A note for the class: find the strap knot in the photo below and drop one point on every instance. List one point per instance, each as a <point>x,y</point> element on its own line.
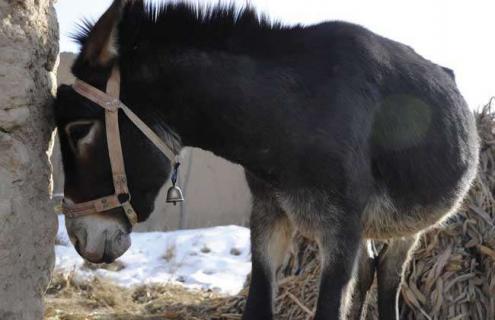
<point>112,105</point>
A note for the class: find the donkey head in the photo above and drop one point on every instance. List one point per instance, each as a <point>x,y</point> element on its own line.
<point>81,127</point>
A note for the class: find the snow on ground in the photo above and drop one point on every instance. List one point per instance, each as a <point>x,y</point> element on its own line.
<point>215,258</point>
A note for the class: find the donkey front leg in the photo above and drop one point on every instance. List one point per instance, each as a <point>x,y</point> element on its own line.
<point>271,235</point>
<point>339,244</point>
<point>392,260</point>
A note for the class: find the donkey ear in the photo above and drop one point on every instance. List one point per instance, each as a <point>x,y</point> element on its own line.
<point>100,46</point>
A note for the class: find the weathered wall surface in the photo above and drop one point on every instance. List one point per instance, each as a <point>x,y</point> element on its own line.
<point>216,191</point>
<point>28,52</point>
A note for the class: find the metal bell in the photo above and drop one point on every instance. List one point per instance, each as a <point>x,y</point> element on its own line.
<point>174,195</point>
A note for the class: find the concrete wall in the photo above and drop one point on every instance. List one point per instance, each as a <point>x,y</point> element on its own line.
<point>216,191</point>
<point>28,51</point>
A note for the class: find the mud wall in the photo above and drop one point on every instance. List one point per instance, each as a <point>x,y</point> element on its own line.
<point>28,53</point>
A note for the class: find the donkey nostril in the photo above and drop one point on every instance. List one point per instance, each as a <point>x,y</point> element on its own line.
<point>107,258</point>
<point>79,238</point>
<point>77,246</point>
<point>84,237</point>
<point>107,253</point>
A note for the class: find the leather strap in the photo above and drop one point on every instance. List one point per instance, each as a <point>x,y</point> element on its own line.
<point>109,101</point>
<point>95,95</point>
<point>91,207</point>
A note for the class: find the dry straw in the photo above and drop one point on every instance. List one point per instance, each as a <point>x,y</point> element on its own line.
<point>451,275</point>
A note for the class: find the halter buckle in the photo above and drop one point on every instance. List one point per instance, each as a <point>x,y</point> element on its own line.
<point>124,197</point>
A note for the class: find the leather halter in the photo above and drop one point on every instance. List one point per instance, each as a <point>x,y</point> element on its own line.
<point>111,103</point>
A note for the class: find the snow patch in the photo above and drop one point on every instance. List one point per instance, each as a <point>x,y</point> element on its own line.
<point>215,259</point>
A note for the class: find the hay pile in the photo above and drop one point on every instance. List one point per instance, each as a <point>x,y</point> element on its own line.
<point>451,276</point>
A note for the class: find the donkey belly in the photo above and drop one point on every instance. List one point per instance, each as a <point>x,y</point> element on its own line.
<point>383,220</point>
<point>419,186</point>
<point>383,217</point>
<point>408,206</point>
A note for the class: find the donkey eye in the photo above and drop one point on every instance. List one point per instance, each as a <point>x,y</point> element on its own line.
<point>77,132</point>
<point>80,133</point>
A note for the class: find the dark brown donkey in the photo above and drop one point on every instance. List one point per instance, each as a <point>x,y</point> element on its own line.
<point>344,135</point>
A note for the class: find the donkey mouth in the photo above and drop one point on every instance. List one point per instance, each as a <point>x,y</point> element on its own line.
<point>106,257</point>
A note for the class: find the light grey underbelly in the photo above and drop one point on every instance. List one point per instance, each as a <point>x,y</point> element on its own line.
<point>310,212</point>
<point>382,220</point>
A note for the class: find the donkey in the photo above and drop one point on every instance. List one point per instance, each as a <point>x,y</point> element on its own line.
<point>344,135</point>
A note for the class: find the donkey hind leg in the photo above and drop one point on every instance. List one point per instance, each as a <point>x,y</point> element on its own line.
<point>271,236</point>
<point>392,261</point>
<point>339,244</point>
<point>364,274</point>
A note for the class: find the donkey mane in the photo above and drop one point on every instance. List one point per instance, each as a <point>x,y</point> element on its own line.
<point>208,27</point>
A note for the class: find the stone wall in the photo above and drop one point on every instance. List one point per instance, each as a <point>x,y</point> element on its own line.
<point>28,53</point>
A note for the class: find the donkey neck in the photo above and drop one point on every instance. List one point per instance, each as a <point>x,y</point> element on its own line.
<point>225,103</point>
